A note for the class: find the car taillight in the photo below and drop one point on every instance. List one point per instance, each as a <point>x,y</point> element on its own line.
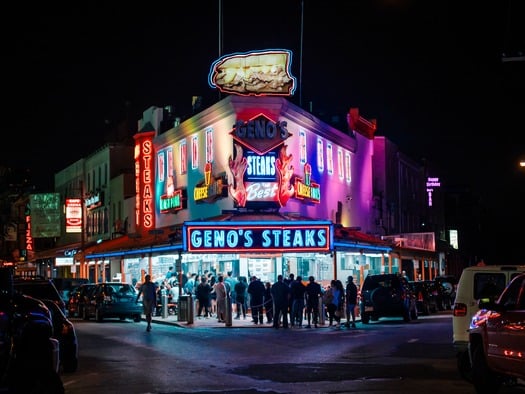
<point>460,309</point>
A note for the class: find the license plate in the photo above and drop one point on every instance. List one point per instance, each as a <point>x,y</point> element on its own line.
<point>369,308</point>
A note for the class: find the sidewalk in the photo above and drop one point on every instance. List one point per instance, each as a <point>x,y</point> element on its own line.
<point>212,322</point>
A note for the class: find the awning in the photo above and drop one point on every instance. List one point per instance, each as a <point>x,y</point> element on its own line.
<point>349,238</point>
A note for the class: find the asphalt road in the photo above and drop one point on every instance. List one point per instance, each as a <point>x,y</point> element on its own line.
<point>387,356</point>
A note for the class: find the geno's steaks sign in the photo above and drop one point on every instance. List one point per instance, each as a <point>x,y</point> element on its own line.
<point>271,236</point>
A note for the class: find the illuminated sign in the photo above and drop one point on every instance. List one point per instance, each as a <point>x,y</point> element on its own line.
<point>255,73</point>
<point>261,169</point>
<point>218,237</point>
<point>144,173</point>
<point>212,187</point>
<point>431,184</point>
<point>172,200</point>
<point>307,190</point>
<point>73,215</point>
<point>94,201</point>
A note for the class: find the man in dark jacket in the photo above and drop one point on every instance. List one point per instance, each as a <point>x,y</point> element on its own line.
<point>351,301</point>
<point>280,295</point>
<point>297,290</point>
<point>256,292</point>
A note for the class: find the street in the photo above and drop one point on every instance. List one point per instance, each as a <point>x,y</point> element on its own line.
<point>387,356</point>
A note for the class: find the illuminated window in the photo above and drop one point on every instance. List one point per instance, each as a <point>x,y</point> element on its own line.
<point>348,168</point>
<point>209,145</point>
<point>194,152</point>
<point>160,166</point>
<point>302,143</point>
<point>320,155</point>
<point>329,159</point>
<point>340,163</point>
<point>183,153</point>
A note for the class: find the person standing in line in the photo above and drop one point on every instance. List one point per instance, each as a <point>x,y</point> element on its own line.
<point>170,274</point>
<point>288,282</point>
<point>256,292</point>
<point>351,301</point>
<point>268,302</point>
<point>313,292</point>
<point>339,301</point>
<point>240,292</point>
<point>297,290</point>
<point>148,290</point>
<point>220,290</point>
<point>230,281</point>
<point>213,296</point>
<point>280,295</point>
<point>202,292</point>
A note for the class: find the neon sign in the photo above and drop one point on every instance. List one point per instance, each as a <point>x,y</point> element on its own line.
<point>218,237</point>
<point>144,180</point>
<point>307,190</point>
<point>212,188</point>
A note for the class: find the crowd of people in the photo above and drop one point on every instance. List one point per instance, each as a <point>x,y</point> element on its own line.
<point>289,302</point>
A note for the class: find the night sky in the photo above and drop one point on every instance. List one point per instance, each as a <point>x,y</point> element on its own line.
<point>430,72</point>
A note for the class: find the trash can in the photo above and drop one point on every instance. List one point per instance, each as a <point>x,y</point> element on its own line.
<point>186,308</point>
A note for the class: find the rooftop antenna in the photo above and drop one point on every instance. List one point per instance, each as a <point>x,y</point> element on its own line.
<point>221,32</point>
<point>301,58</point>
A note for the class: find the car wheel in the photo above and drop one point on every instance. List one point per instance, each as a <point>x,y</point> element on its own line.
<point>380,296</point>
<point>464,366</point>
<point>70,366</point>
<point>137,318</point>
<point>98,315</point>
<point>483,378</point>
<point>122,318</point>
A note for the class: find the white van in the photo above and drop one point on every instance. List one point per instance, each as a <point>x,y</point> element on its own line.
<point>475,283</point>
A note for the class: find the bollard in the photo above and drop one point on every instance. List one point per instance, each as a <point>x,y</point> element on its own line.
<point>164,298</point>
<point>228,318</point>
<point>321,311</point>
<point>191,309</point>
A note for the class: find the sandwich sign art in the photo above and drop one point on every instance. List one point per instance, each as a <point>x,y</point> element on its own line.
<point>254,73</point>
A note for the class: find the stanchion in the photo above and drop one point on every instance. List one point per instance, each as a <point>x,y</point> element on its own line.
<point>191,309</point>
<point>321,311</point>
<point>228,317</point>
<point>164,298</point>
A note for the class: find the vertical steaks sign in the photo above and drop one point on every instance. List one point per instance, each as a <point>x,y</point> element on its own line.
<point>144,175</point>
<point>270,236</point>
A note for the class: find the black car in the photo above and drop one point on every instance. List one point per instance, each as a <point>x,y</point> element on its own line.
<point>64,332</point>
<point>39,288</point>
<point>446,291</point>
<point>113,299</point>
<point>426,296</point>
<point>387,295</point>
<point>78,297</point>
<point>29,355</point>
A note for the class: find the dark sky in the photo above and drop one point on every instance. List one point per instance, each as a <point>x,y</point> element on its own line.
<point>430,72</point>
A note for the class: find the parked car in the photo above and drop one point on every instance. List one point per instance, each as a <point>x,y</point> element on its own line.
<point>497,339</point>
<point>387,295</point>
<point>64,332</point>
<point>476,283</point>
<point>78,297</point>
<point>39,288</point>
<point>29,355</point>
<point>426,296</point>
<point>447,291</point>
<point>113,299</point>
<point>66,285</point>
